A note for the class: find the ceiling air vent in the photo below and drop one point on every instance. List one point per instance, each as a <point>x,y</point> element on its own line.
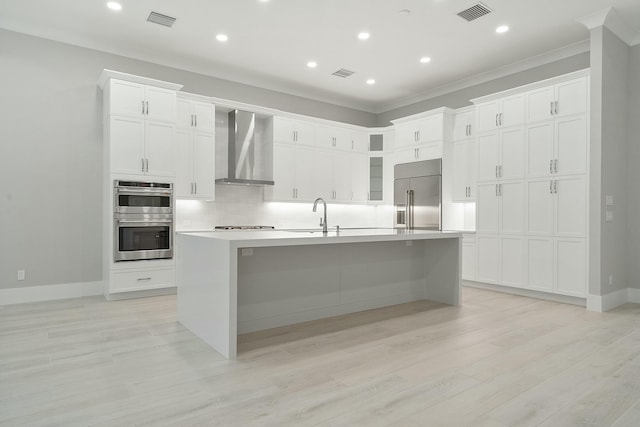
<point>158,18</point>
<point>343,72</point>
<point>474,12</point>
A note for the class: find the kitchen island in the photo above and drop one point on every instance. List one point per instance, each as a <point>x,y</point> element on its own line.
<point>232,282</point>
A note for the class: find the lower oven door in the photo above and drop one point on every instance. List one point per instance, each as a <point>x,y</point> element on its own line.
<point>137,238</point>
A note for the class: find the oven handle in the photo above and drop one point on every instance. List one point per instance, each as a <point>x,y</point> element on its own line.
<point>142,221</point>
<point>142,190</point>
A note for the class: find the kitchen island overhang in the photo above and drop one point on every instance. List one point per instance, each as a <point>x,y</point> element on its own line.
<point>237,282</point>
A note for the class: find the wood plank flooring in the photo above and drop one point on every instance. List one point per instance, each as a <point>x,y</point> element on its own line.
<point>499,360</point>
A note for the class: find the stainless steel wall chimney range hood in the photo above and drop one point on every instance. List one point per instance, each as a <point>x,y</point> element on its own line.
<point>241,151</point>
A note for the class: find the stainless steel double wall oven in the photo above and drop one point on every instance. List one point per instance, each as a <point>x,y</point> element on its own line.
<point>142,220</point>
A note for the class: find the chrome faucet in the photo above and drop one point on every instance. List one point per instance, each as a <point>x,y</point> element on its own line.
<point>315,206</point>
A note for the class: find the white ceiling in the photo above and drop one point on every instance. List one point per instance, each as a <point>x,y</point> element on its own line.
<point>271,42</point>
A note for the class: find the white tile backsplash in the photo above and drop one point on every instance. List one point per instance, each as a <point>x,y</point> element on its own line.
<point>245,205</point>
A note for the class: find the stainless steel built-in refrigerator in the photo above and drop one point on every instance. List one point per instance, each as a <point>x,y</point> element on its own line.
<point>417,194</point>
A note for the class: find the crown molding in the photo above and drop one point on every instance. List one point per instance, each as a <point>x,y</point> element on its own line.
<point>612,20</point>
<point>516,67</point>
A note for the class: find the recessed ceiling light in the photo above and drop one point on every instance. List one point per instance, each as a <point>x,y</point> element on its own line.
<point>222,37</point>
<point>114,6</point>
<point>371,82</point>
<point>502,29</point>
<point>312,64</point>
<point>425,60</point>
<point>364,35</point>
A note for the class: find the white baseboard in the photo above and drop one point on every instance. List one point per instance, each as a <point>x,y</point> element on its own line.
<point>565,299</point>
<point>50,292</point>
<point>634,295</point>
<point>612,300</point>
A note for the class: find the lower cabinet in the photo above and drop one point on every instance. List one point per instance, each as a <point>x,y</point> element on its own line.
<point>141,280</point>
<point>469,257</point>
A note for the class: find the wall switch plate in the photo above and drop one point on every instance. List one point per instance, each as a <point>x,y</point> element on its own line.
<point>21,275</point>
<point>247,252</point>
<point>609,200</point>
<point>609,216</point>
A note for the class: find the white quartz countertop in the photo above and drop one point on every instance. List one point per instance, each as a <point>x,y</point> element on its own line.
<point>250,238</point>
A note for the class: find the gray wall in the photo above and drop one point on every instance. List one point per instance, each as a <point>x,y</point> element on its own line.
<point>50,151</point>
<point>461,97</point>
<point>633,169</point>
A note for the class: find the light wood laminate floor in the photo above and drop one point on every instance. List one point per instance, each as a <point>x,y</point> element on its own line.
<point>499,360</point>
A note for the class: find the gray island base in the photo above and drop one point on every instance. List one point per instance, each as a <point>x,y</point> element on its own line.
<point>231,283</point>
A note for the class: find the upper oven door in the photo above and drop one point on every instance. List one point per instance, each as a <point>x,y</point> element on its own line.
<point>143,200</point>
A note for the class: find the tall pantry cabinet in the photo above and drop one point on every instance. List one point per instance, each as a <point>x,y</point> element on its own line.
<point>139,121</point>
<point>532,189</point>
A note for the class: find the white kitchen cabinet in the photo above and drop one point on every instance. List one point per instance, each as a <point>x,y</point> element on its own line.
<point>332,137</point>
<point>557,147</point>
<point>292,168</point>
<point>540,263</point>
<point>425,152</point>
<point>557,207</point>
<point>432,126</point>
<point>501,154</point>
<point>488,258</point>
<point>562,99</point>
<point>464,170</point>
<point>195,175</point>
<point>196,115</point>
<point>293,131</point>
<point>359,177</point>
<point>131,99</point>
<point>512,261</point>
<point>464,125</point>
<point>359,141</point>
<point>500,113</point>
<point>141,147</point>
<point>140,280</point>
<point>488,208</point>
<point>500,208</point>
<point>340,176</point>
<point>469,257</point>
<point>557,265</point>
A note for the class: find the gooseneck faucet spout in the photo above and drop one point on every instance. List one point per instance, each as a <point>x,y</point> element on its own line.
<point>323,222</point>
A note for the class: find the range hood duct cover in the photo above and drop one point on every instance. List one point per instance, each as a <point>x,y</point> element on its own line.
<point>241,151</point>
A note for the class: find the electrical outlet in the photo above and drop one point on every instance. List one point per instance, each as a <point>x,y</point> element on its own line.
<point>21,275</point>
<point>611,280</point>
<point>247,251</point>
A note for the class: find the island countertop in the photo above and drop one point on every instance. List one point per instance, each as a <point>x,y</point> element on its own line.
<point>260,238</point>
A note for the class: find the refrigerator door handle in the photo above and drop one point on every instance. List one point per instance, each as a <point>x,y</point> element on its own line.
<point>409,210</point>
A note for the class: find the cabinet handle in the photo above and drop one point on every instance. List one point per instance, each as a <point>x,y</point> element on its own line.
<point>195,188</point>
<point>142,108</point>
<point>146,163</point>
<point>352,144</point>
<point>555,165</point>
<point>555,186</point>
<point>418,136</point>
<point>496,171</point>
<point>497,190</point>
<point>556,107</point>
<point>195,120</point>
<point>147,107</point>
<point>501,189</point>
<point>551,187</point>
<point>142,160</point>
<point>142,279</point>
<point>192,188</point>
<point>496,119</point>
<point>551,166</point>
<point>551,108</point>
<point>500,171</point>
<point>501,119</point>
<point>293,193</point>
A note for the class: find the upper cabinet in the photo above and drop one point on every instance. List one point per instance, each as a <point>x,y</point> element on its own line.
<point>339,138</point>
<point>196,115</point>
<point>293,131</point>
<point>432,126</point>
<point>562,99</point>
<point>133,99</point>
<point>502,112</point>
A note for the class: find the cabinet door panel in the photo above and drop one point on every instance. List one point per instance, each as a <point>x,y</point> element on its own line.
<point>539,104</point>
<point>571,209</point>
<point>160,148</point>
<point>184,112</point>
<point>341,162</point>
<point>487,116</point>
<point>512,204</point>
<point>539,149</point>
<point>572,97</point>
<point>488,259</point>
<point>488,156</point>
<point>322,172</point>
<point>512,146</point>
<point>431,128</point>
<point>405,156</point>
<point>540,208</point>
<point>359,177</point>
<point>184,164</point>
<point>512,264</point>
<point>359,141</point>
<point>405,135</point>
<point>304,164</point>
<point>460,126</point>
<point>161,104</point>
<point>126,136</point>
<point>126,98</point>
<point>487,209</point>
<point>306,133</point>
<point>571,267</point>
<point>204,165</point>
<point>460,171</point>
<point>430,151</point>
<point>540,263</point>
<point>512,111</point>
<point>571,143</point>
<point>469,261</point>
<point>204,117</point>
<point>282,129</point>
<point>284,157</point>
